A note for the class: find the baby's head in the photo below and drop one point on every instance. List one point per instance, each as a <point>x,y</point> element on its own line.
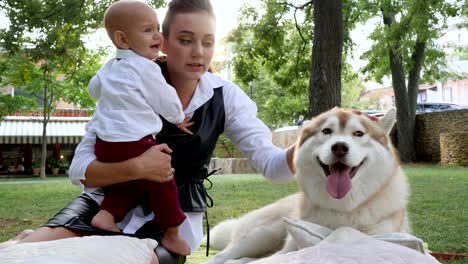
<point>133,24</point>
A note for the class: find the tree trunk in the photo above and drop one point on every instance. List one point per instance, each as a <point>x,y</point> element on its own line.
<point>405,123</point>
<point>406,148</point>
<point>415,74</point>
<point>325,77</point>
<point>405,98</point>
<point>45,119</point>
<point>43,154</point>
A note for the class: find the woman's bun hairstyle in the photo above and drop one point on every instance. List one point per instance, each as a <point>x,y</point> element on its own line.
<point>176,7</point>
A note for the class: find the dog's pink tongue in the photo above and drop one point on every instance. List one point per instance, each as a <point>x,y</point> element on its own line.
<point>339,181</point>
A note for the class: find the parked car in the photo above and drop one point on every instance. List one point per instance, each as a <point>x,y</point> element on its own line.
<point>377,113</point>
<point>438,107</point>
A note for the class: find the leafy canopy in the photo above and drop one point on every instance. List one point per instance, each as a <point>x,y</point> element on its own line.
<point>272,60</point>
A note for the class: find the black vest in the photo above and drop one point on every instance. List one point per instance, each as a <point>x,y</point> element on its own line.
<point>192,153</point>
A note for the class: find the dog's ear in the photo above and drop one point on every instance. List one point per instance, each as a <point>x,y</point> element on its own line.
<point>388,120</point>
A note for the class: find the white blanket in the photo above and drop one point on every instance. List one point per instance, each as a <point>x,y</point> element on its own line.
<point>364,251</point>
<point>320,245</point>
<point>81,250</point>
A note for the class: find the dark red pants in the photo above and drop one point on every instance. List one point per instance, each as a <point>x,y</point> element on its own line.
<point>163,198</point>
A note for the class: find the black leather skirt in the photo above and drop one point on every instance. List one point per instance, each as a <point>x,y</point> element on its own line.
<point>77,216</point>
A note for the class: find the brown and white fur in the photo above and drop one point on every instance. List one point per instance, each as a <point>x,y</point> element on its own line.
<point>348,174</point>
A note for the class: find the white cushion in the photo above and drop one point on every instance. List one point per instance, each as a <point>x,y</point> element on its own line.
<point>363,251</point>
<point>79,250</point>
<point>320,245</point>
<point>307,234</point>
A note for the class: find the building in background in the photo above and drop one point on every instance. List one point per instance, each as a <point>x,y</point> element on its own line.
<point>448,91</point>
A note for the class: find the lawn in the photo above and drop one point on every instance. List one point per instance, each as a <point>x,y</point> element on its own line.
<point>438,205</point>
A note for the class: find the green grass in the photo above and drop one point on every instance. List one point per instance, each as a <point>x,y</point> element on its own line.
<point>438,205</point>
<point>28,206</point>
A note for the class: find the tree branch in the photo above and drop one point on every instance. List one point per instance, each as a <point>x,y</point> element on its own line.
<point>300,7</point>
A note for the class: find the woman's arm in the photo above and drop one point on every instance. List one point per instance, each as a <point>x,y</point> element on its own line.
<point>290,157</point>
<point>254,138</point>
<point>153,165</point>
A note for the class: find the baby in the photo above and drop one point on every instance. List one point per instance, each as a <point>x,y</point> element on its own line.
<point>132,93</point>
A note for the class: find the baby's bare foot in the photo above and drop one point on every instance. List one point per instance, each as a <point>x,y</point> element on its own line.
<point>105,221</point>
<point>172,242</point>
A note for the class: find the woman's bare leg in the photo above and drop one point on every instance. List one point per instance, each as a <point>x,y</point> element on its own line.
<point>49,233</point>
<point>15,240</point>
<point>23,234</point>
<point>41,234</point>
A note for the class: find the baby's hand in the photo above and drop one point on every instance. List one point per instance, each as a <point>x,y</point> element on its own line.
<point>186,123</point>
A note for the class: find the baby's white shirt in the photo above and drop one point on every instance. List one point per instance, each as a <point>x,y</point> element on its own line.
<point>131,93</point>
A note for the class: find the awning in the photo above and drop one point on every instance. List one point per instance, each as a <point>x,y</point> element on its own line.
<point>28,130</point>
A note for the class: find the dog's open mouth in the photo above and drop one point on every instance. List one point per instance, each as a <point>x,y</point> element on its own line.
<point>338,166</point>
<point>339,177</point>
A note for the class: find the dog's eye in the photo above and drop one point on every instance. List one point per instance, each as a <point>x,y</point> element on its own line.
<point>358,133</point>
<point>326,131</point>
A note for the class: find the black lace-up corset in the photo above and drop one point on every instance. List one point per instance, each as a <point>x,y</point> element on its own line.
<point>192,153</point>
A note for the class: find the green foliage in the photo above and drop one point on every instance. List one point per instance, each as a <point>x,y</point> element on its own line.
<point>461,53</point>
<point>272,52</point>
<point>46,57</point>
<point>9,104</point>
<point>273,59</point>
<point>405,48</point>
<point>352,89</point>
<point>53,163</point>
<point>226,149</point>
<point>35,163</point>
<point>418,21</point>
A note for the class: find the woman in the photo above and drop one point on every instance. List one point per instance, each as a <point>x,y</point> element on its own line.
<point>215,106</point>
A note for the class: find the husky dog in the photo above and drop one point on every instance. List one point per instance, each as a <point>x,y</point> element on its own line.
<point>348,174</point>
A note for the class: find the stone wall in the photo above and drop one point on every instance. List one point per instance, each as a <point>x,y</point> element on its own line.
<point>232,165</point>
<point>285,139</point>
<point>429,126</point>
<point>454,148</point>
<point>282,139</point>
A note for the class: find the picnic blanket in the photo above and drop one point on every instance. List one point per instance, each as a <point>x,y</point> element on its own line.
<point>320,245</point>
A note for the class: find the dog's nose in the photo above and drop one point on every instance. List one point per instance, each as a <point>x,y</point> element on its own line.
<point>340,149</point>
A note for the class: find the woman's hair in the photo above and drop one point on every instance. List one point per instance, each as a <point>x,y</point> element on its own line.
<point>176,7</point>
